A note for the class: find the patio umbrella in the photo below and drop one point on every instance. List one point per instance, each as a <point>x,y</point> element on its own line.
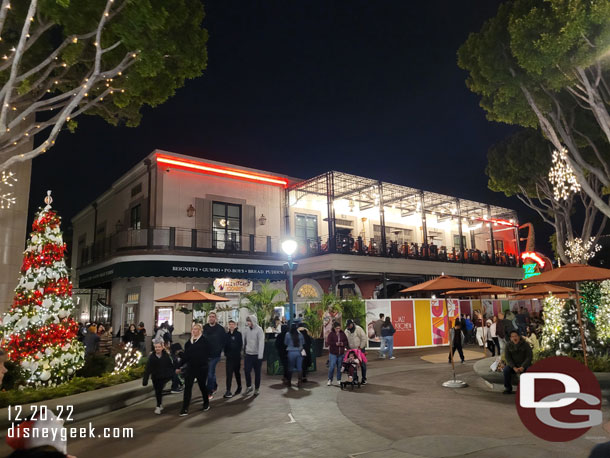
<point>444,283</point>
<point>492,289</point>
<point>542,290</point>
<point>193,296</point>
<point>572,273</point>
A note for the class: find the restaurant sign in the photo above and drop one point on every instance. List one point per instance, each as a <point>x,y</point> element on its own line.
<point>181,269</point>
<point>232,285</point>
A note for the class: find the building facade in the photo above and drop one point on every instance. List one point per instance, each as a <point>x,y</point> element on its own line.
<point>175,222</point>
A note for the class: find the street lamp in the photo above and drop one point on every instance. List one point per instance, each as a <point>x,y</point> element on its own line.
<point>289,246</point>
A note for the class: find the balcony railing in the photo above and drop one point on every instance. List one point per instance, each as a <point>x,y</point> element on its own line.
<point>427,252</point>
<point>194,240</point>
<point>177,239</point>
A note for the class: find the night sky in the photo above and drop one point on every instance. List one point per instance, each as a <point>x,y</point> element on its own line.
<point>302,87</point>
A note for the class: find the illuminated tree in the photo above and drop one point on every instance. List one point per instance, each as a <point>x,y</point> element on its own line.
<point>63,58</point>
<point>602,315</point>
<point>38,331</point>
<point>543,63</point>
<point>554,323</point>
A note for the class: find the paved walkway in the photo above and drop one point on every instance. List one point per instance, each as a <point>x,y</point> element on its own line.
<point>403,412</point>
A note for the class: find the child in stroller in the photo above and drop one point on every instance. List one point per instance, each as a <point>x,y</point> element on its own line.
<point>349,370</point>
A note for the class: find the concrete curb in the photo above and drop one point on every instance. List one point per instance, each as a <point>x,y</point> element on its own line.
<point>86,405</point>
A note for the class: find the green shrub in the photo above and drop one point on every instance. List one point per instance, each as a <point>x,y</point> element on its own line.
<point>74,386</point>
<point>13,376</point>
<point>95,366</point>
<point>597,363</point>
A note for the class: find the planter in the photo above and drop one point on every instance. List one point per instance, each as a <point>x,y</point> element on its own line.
<point>318,347</point>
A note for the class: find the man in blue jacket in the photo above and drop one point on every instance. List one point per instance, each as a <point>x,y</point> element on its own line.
<point>233,346</point>
<point>215,335</point>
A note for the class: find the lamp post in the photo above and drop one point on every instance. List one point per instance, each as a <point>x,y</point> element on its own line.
<point>289,246</point>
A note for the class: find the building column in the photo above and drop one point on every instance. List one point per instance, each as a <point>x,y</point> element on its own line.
<point>423,218</point>
<point>491,236</point>
<point>459,213</point>
<point>384,242</point>
<point>330,200</point>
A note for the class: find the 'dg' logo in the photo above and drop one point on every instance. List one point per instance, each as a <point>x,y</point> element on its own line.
<point>559,399</point>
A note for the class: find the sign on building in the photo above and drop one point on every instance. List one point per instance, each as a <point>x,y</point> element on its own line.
<point>232,285</point>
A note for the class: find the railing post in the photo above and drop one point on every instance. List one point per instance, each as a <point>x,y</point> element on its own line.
<point>149,237</point>
<point>172,238</point>
<point>193,239</point>
<point>252,247</point>
<point>268,244</point>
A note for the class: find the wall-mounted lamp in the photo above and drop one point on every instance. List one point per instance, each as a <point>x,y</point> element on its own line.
<point>262,220</point>
<point>190,211</point>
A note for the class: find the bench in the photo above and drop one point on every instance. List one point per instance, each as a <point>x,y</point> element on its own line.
<point>494,380</point>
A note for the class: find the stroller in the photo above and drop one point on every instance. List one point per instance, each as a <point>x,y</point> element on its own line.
<point>349,371</point>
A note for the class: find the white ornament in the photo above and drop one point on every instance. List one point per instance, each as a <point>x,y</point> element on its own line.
<point>45,375</point>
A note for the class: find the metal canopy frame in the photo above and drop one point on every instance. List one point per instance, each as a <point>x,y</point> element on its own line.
<point>368,193</point>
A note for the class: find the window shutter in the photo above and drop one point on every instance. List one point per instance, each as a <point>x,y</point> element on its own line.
<point>248,224</point>
<point>203,222</point>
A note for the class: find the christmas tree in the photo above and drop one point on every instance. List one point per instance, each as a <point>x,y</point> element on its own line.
<point>571,340</point>
<point>554,323</point>
<point>590,294</point>
<point>38,331</point>
<point>602,318</point>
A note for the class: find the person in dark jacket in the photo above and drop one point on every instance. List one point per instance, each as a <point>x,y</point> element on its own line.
<point>387,334</point>
<point>281,351</point>
<point>160,368</point>
<point>518,356</point>
<point>177,354</point>
<point>130,335</point>
<point>195,366</point>
<point>233,346</point>
<point>456,336</point>
<point>141,338</point>
<point>170,329</point>
<point>91,341</point>
<point>337,343</point>
<point>215,335</point>
<point>294,347</point>
<point>307,346</point>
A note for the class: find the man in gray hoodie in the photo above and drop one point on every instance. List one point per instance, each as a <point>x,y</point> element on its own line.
<point>254,347</point>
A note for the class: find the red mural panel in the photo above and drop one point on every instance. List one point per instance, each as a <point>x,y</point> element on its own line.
<point>403,320</point>
<point>465,308</point>
<point>439,322</point>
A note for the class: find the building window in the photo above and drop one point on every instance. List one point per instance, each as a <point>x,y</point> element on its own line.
<point>137,189</point>
<point>136,217</point>
<point>226,226</point>
<point>81,250</point>
<point>456,241</point>
<point>307,292</point>
<point>306,228</point>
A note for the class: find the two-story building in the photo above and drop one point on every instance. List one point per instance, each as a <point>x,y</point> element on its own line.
<point>175,222</point>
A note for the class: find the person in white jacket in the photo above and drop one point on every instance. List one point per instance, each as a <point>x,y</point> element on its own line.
<point>254,347</point>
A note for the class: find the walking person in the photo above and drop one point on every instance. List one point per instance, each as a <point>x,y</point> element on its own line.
<point>337,343</point>
<point>160,368</point>
<point>140,340</point>
<point>456,336</point>
<point>177,354</point>
<point>195,367</point>
<point>489,342</point>
<point>307,348</point>
<point>294,347</point>
<point>387,335</point>
<point>500,333</point>
<point>233,346</point>
<point>215,335</point>
<point>130,335</point>
<point>254,348</point>
<point>280,346</point>
<point>357,340</point>
<point>377,324</point>
<point>493,331</point>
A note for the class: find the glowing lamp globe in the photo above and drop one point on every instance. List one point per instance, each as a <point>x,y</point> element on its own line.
<point>289,246</point>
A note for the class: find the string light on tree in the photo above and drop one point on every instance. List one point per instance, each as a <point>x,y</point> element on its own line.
<point>562,177</point>
<point>602,315</point>
<point>554,323</point>
<point>7,179</point>
<point>580,252</point>
<point>40,334</point>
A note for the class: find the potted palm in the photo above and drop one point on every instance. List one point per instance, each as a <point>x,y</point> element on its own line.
<point>263,301</point>
<point>314,321</point>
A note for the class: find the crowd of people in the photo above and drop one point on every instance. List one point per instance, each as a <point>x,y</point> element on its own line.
<point>511,334</point>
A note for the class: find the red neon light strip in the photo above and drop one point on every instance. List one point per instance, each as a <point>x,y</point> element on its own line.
<point>531,255</point>
<point>222,171</point>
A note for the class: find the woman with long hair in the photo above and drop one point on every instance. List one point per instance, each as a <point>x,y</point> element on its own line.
<point>294,342</point>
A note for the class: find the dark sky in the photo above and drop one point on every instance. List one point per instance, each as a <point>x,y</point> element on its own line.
<point>302,87</point>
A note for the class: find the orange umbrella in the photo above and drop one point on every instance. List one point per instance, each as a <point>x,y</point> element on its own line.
<point>542,290</point>
<point>193,296</point>
<point>444,283</point>
<point>570,273</point>
<point>492,289</point>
